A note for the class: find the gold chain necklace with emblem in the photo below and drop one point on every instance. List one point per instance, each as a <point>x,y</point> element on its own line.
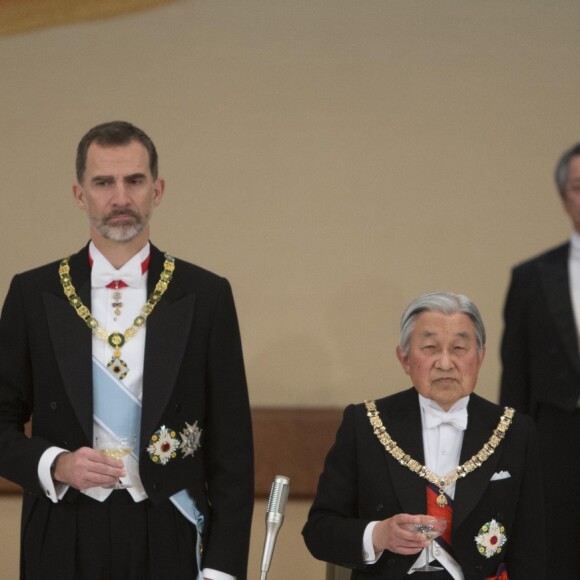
<point>116,339</point>
<point>442,483</point>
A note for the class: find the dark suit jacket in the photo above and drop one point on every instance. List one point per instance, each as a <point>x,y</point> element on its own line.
<point>541,377</point>
<point>193,372</point>
<point>361,483</point>
<point>539,350</point>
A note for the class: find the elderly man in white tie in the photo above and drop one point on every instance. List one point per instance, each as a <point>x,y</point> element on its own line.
<point>435,452</point>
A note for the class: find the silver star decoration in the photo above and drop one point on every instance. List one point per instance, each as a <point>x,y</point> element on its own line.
<point>190,439</point>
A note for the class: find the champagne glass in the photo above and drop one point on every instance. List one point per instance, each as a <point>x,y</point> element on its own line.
<point>430,529</point>
<point>117,446</point>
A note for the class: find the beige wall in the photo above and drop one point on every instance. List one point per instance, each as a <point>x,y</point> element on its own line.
<point>333,158</point>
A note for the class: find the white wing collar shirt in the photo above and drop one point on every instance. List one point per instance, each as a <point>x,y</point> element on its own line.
<point>442,441</point>
<point>574,270</point>
<point>112,318</point>
<point>119,318</point>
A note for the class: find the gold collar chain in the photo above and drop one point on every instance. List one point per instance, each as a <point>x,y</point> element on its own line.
<point>461,471</point>
<point>116,339</point>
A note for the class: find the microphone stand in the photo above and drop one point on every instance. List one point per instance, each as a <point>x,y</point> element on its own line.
<point>274,519</point>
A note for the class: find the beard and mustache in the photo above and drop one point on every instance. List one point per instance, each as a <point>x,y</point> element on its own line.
<point>121,230</point>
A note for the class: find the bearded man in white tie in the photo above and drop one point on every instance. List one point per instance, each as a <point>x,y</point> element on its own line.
<point>121,350</point>
<point>436,450</point>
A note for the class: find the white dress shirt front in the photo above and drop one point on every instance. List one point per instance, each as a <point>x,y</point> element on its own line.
<point>442,449</point>
<point>574,272</point>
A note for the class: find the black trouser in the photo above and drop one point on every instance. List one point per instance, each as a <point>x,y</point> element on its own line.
<point>559,442</point>
<point>113,540</point>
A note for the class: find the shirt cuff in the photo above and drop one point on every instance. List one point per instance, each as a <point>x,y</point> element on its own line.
<point>211,574</point>
<point>368,550</point>
<point>54,490</point>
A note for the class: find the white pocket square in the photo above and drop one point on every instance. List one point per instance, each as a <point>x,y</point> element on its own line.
<point>500,475</point>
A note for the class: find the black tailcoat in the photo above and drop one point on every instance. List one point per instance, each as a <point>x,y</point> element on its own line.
<point>540,356</point>
<point>541,377</point>
<point>361,483</point>
<point>193,372</point>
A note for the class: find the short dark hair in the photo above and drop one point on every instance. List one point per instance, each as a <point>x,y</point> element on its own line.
<point>112,134</point>
<point>561,171</point>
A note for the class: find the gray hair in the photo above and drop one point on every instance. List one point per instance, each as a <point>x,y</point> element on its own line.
<point>561,171</point>
<point>446,303</point>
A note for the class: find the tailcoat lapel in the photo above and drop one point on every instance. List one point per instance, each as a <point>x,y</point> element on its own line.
<point>72,340</point>
<point>168,330</point>
<point>470,489</point>
<point>403,423</point>
<point>556,285</point>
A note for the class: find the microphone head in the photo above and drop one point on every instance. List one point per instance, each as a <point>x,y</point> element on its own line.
<point>278,496</point>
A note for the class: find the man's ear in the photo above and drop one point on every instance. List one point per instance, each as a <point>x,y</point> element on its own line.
<point>403,359</point>
<point>482,355</point>
<point>159,190</point>
<point>79,196</point>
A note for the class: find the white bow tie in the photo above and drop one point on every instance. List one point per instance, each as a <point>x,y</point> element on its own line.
<point>435,417</point>
<point>103,274</point>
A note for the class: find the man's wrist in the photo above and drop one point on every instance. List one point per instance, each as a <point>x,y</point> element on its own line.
<point>53,466</point>
<point>47,474</point>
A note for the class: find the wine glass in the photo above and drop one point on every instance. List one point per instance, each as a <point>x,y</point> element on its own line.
<point>117,446</point>
<point>430,528</point>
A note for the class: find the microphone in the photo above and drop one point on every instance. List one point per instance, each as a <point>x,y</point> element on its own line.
<point>274,519</point>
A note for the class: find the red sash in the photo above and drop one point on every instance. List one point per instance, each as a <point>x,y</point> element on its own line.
<point>446,512</point>
<point>436,511</point>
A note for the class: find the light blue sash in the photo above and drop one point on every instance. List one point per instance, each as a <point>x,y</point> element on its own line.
<point>118,411</point>
<point>114,407</point>
<point>186,505</point>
